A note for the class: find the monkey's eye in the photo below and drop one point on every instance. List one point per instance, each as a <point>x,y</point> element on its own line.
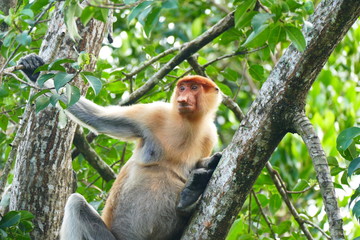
<point>182,88</point>
<point>194,87</point>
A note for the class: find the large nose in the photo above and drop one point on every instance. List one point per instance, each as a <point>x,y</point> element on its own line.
<point>183,97</point>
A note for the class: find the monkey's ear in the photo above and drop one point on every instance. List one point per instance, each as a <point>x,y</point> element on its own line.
<point>31,63</point>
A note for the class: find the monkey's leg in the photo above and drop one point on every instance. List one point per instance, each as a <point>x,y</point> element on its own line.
<point>82,222</point>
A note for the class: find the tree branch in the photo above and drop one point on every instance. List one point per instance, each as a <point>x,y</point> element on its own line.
<point>282,190</point>
<point>269,118</point>
<point>305,129</point>
<point>186,51</point>
<point>263,214</point>
<point>92,157</point>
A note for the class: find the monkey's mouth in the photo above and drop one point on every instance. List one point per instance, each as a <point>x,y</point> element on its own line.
<point>185,107</point>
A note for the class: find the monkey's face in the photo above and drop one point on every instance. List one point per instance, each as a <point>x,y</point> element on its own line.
<point>187,97</point>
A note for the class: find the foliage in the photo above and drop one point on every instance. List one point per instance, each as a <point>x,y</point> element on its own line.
<point>16,225</point>
<point>147,29</point>
<point>347,144</point>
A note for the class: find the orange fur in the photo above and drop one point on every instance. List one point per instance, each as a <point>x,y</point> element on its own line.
<point>185,140</point>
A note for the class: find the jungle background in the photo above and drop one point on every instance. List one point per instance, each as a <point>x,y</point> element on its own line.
<point>239,60</point>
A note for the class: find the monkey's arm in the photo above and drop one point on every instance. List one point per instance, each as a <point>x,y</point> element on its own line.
<point>196,184</point>
<point>120,122</point>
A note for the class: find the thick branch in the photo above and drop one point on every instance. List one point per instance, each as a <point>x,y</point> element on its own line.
<point>188,49</point>
<point>269,118</point>
<point>92,157</point>
<point>305,129</point>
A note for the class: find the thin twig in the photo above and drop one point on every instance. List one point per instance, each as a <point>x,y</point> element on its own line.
<point>263,214</point>
<point>116,6</point>
<point>318,228</point>
<point>302,191</point>
<point>279,183</point>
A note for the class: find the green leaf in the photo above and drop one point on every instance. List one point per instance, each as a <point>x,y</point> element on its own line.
<point>83,59</point>
<point>170,4</point>
<point>196,27</point>
<point>355,195</point>
<point>41,103</point>
<point>356,210</point>
<point>137,10</point>
<point>275,203</point>
<point>244,7</point>
<point>43,78</point>
<point>260,19</point>
<point>70,14</point>
<point>27,12</point>
<point>300,185</point>
<point>26,226</point>
<point>54,99</point>
<point>10,219</point>
<point>257,38</point>
<point>87,14</point>
<point>4,122</point>
<point>61,78</point>
<point>257,72</point>
<point>57,64</point>
<point>8,39</point>
<point>35,96</point>
<point>39,4</point>
<point>346,138</point>
<point>151,20</point>
<point>26,215</point>
<point>277,35</point>
<point>73,94</point>
<point>353,166</point>
<point>332,161</point>
<point>296,37</point>
<point>283,227</point>
<point>95,83</point>
<point>336,170</point>
<point>245,20</point>
<point>24,38</point>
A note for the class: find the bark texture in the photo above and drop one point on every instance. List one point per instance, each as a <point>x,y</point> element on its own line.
<point>305,129</point>
<point>270,117</point>
<point>43,176</point>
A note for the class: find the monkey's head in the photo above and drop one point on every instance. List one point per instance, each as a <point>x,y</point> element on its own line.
<point>195,96</point>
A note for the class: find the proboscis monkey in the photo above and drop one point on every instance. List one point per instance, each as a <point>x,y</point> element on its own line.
<point>156,190</point>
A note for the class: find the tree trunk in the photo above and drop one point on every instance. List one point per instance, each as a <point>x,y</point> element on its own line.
<point>270,117</point>
<point>43,176</point>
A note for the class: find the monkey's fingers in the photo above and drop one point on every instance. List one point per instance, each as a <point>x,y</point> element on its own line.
<point>214,160</point>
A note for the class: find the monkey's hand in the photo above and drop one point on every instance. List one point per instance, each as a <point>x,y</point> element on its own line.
<point>196,184</point>
<point>31,62</point>
<point>214,161</point>
<point>194,187</point>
